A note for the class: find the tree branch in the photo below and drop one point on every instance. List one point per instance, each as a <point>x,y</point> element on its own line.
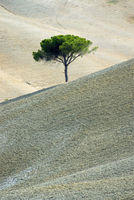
<point>71,60</point>
<point>69,57</point>
<point>59,60</point>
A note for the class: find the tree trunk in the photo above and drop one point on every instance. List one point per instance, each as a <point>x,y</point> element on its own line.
<point>66,75</point>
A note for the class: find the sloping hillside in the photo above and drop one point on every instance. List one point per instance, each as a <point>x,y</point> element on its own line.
<point>24,23</point>
<point>75,141</point>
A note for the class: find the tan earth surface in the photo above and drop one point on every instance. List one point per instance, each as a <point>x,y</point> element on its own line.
<point>109,24</point>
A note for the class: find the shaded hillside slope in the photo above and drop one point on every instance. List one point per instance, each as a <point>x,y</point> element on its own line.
<point>75,141</point>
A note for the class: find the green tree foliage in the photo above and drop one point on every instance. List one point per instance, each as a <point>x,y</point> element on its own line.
<point>64,49</point>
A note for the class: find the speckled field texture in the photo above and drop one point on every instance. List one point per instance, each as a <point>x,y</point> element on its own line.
<point>109,24</point>
<point>71,142</point>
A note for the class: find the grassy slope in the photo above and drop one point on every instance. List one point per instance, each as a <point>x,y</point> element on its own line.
<point>75,141</point>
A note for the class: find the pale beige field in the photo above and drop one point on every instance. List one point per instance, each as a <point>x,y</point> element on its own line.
<point>23,24</point>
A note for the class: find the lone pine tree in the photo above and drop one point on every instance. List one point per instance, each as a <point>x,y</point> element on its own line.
<point>64,49</point>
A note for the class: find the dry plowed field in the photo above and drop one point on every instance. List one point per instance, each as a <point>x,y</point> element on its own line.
<point>71,142</point>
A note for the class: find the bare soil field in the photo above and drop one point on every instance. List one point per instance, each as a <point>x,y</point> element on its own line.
<point>71,142</point>
<point>23,24</point>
